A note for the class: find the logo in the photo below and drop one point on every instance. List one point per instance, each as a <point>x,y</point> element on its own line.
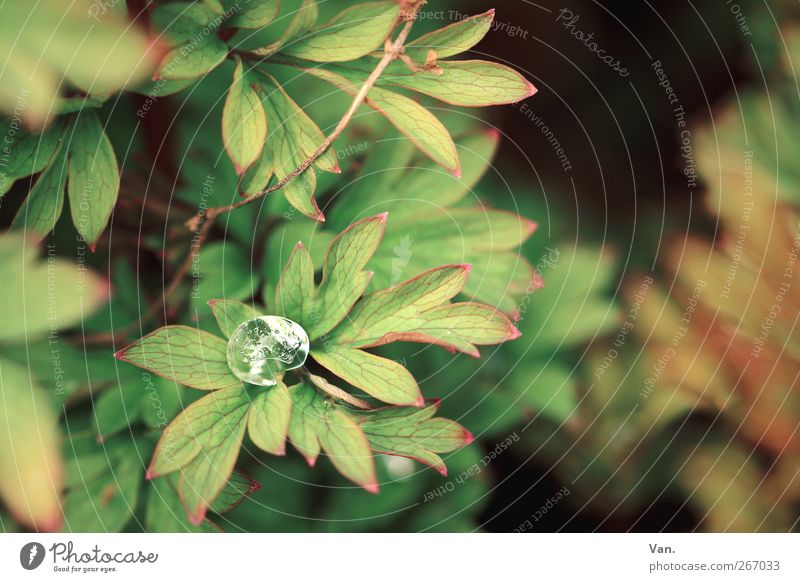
<point>31,555</point>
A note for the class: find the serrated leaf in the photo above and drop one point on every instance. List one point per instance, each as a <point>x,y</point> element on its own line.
<point>231,314</point>
<point>315,426</point>
<point>93,177</point>
<point>268,423</point>
<point>203,442</point>
<point>186,355</point>
<point>386,380</point>
<point>42,208</point>
<point>453,39</point>
<point>244,122</point>
<point>343,277</point>
<point>31,467</point>
<point>413,433</point>
<point>352,34</point>
<point>254,14</point>
<point>397,308</point>
<point>463,83</point>
<point>30,308</point>
<point>408,116</point>
<point>294,294</point>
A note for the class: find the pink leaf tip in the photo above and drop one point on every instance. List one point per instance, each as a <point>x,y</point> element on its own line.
<point>197,517</point>
<point>513,333</point>
<point>468,437</point>
<point>372,488</point>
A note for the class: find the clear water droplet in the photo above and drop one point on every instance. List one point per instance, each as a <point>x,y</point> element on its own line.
<point>262,348</point>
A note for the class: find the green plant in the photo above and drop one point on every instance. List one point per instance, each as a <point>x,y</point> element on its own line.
<point>238,75</point>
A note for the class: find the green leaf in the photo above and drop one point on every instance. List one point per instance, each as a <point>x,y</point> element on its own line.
<point>195,59</point>
<point>42,208</point>
<point>384,379</point>
<point>186,355</point>
<point>118,407</point>
<point>254,14</point>
<point>231,314</point>
<point>299,191</point>
<point>408,116</point>
<point>238,488</point>
<point>294,294</point>
<point>244,123</point>
<point>337,393</point>
<point>203,443</point>
<point>93,177</point>
<point>453,39</point>
<point>181,22</point>
<point>55,44</point>
<point>352,34</point>
<point>400,309</point>
<point>41,298</point>
<point>463,83</point>
<point>343,277</point>
<point>316,425</point>
<point>302,21</point>
<point>31,467</point>
<point>268,423</point>
<point>165,512</point>
<point>413,433</point>
<point>222,269</point>
<point>28,153</point>
<point>302,129</point>
<point>108,503</point>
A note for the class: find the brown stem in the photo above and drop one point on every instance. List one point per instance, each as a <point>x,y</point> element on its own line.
<point>391,51</point>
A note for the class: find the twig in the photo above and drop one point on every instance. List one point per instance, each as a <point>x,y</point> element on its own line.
<point>391,51</point>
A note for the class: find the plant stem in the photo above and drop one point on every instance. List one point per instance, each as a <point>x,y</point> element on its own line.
<point>391,51</point>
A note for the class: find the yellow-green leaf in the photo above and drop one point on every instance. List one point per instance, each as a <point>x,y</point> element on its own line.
<point>268,423</point>
<point>93,177</point>
<point>453,39</point>
<point>31,467</point>
<point>294,294</point>
<point>253,13</point>
<point>244,123</point>
<point>352,34</point>
<point>343,276</point>
<point>42,208</point>
<point>386,380</point>
<point>230,314</point>
<point>186,355</point>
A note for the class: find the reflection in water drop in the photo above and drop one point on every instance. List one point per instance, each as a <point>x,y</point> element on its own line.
<point>262,348</point>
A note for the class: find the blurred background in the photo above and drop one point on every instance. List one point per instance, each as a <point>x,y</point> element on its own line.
<point>654,387</point>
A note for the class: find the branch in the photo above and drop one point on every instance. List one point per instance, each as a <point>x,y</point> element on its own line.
<point>392,50</point>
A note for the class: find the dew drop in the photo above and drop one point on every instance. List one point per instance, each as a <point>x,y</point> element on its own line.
<point>264,347</point>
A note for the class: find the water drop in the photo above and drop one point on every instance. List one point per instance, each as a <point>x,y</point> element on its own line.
<point>261,348</point>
